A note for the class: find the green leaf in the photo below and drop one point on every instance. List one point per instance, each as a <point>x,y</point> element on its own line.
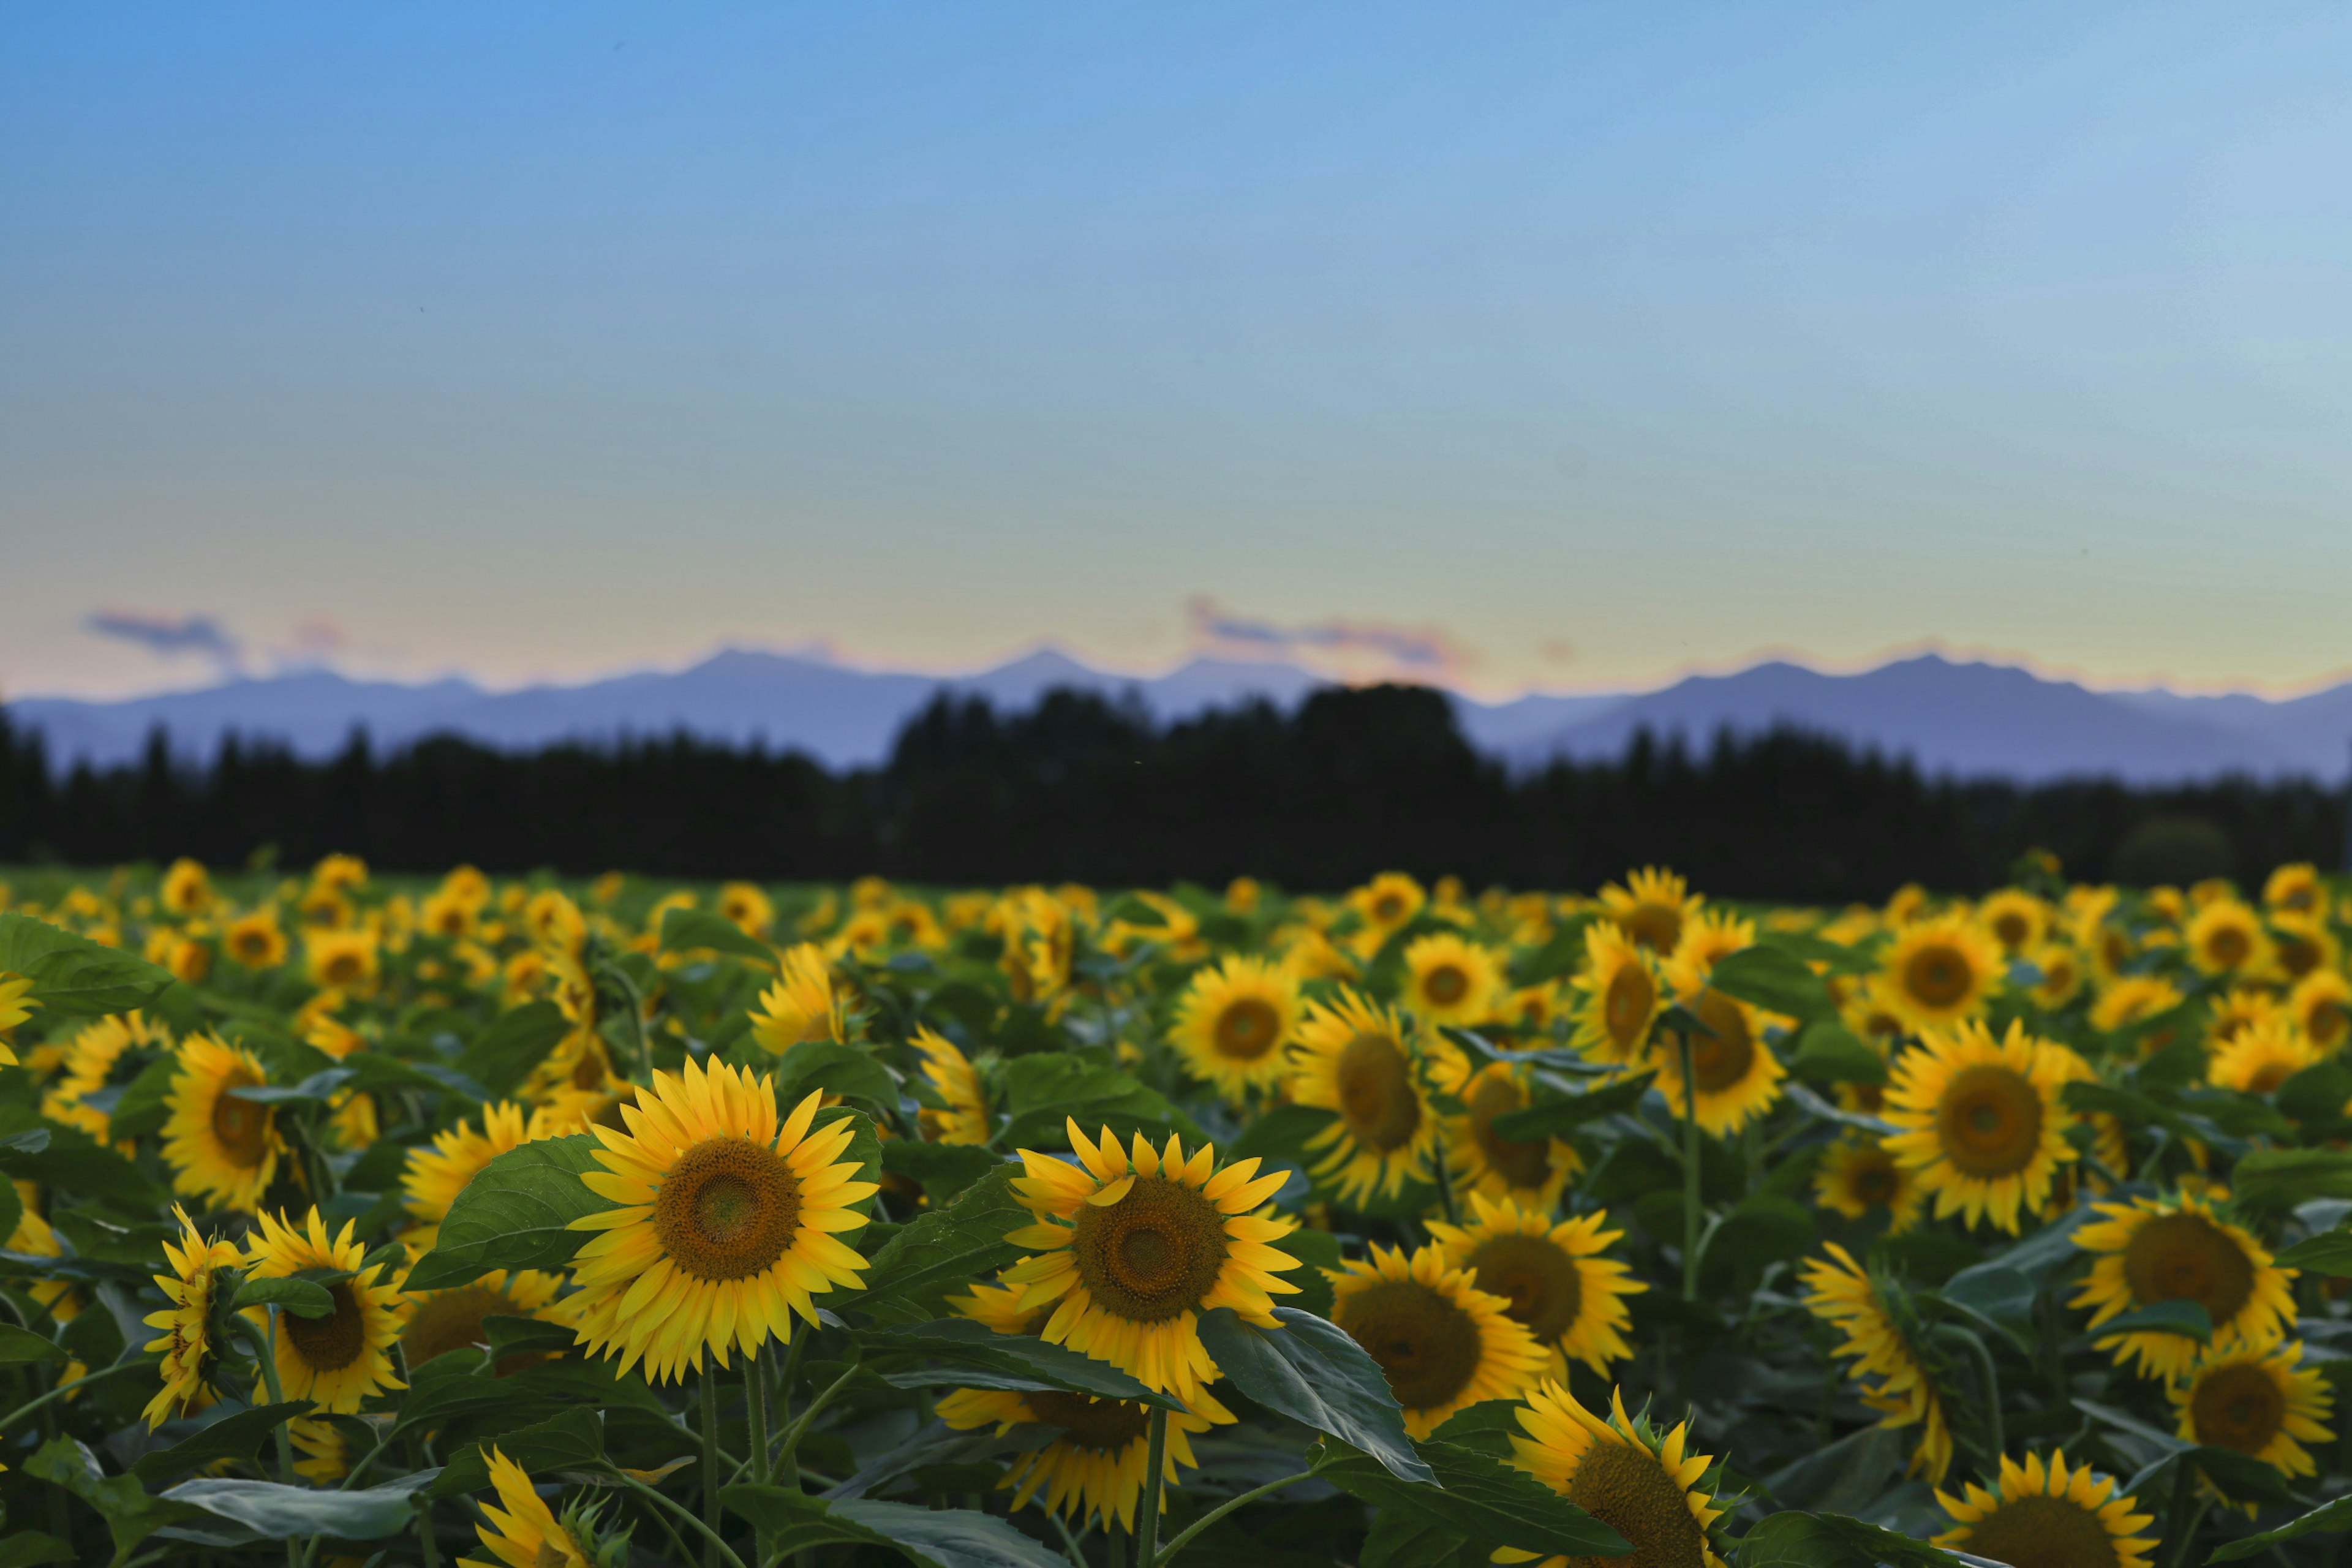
<point>236,1436</point>
<point>2329,1516</point>
<point>571,1440</point>
<point>509,1334</point>
<point>514,1214</point>
<point>787,1522</point>
<point>282,1512</point>
<point>1994,1289</point>
<point>304,1298</point>
<point>455,1383</point>
<point>1399,1539</point>
<point>1309,1370</point>
<point>130,1515</point>
<point>2330,1252</point>
<point>1477,1496</point>
<point>1005,1361</point>
<point>1555,1118</point>
<point>1775,980</point>
<point>1488,1426</point>
<point>1829,1052</point>
<point>73,1161</point>
<point>2189,1319</point>
<point>1316,1251</point>
<point>146,1102</point>
<point>850,1071</point>
<point>503,1055</point>
<point>30,1548</point>
<point>943,1250</point>
<point>1794,1540</point>
<point>2278,1179</point>
<point>19,1347</point>
<point>699,930</point>
<point>72,974</point>
<point>941,1170</point>
<point>1278,1138</point>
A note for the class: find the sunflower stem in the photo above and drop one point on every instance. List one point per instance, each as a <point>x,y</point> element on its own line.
<point>1155,1458</point>
<point>1167,1553</point>
<point>61,1390</point>
<point>799,1425</point>
<point>1114,1546</point>
<point>709,1534</point>
<point>755,1411</point>
<point>711,1478</point>
<point>277,1396</point>
<point>1691,1207</point>
<point>788,1464</point>
<point>1988,1386</point>
<point>1445,1194</point>
<point>426,1547</point>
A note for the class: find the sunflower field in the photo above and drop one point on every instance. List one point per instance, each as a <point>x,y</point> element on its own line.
<point>359,1220</point>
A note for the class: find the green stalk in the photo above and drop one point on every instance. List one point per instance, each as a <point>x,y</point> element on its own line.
<point>1445,1182</point>
<point>1114,1546</point>
<point>285,1443</point>
<point>1691,1206</point>
<point>788,1468</point>
<point>1167,1553</point>
<point>755,1410</point>
<point>683,1512</point>
<point>61,1390</point>
<point>710,1476</point>
<point>793,1434</point>
<point>1988,1386</point>
<point>1147,1527</point>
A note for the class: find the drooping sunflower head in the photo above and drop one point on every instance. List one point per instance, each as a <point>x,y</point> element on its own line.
<point>1552,1279</point>
<point>2042,1514</point>
<point>2179,1248</point>
<point>1386,902</point>
<point>525,1534</point>
<point>1984,1126</point>
<point>2256,1400</point>
<point>1892,1361</point>
<point>2321,1006</point>
<point>1450,981</point>
<point>1941,970</point>
<point>1357,1057</point>
<point>1733,1066</point>
<point>219,1145</point>
<point>965,1116</point>
<point>1623,995</point>
<point>801,1006</point>
<point>1444,1343</point>
<point>341,1358</point>
<point>2225,937</point>
<point>189,1354</point>
<point>2262,1054</point>
<point>1233,1021</point>
<point>1645,1485</point>
<point>453,1319</point>
<point>1858,1175</point>
<point>435,1176</point>
<point>1532,1170</point>
<point>1651,908</point>
<point>1132,1244</point>
<point>726,1222</point>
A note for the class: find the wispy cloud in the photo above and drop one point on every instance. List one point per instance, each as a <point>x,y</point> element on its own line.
<point>171,636</point>
<point>1355,649</point>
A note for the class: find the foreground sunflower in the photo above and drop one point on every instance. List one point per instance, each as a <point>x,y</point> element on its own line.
<point>1095,1470</point>
<point>1984,1129</point>
<point>189,1354</point>
<point>1622,996</point>
<point>1857,1175</point>
<point>2043,1515</point>
<point>219,1146</point>
<point>526,1533</point>
<point>727,1223</point>
<point>1551,1278</point>
<point>2177,1248</point>
<point>1443,1343</point>
<point>1233,1023</point>
<point>965,1118</point>
<point>1651,908</point>
<point>339,1360</point>
<point>1889,1362</point>
<point>1646,1486</point>
<point>1941,970</point>
<point>1352,1057</point>
<point>1450,981</point>
<point>1132,1246</point>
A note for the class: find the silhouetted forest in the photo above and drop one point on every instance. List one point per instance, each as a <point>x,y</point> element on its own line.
<point>1351,783</point>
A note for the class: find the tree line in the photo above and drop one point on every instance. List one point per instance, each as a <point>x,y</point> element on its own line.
<point>1348,784</point>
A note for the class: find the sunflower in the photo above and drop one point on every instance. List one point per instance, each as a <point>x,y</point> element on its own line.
<point>1450,981</point>
<point>2321,1006</point>
<point>219,1146</point>
<point>2295,887</point>
<point>1871,1016</point>
<point>344,961</point>
<point>189,1354</point>
<point>434,1177</point>
<point>1651,908</point>
<point>16,1006</point>
<point>1895,1375</point>
<point>1095,1470</point>
<point>2225,937</point>
<point>1736,1073</point>
<point>2239,1008</point>
<point>1859,1174</point>
<point>2177,1248</point>
<point>1386,903</point>
<point>2063,973</point>
<point>1134,1246</point>
<point>2301,944</point>
<point>1443,1343</point>
<point>525,1534</point>
<point>339,1360</point>
<point>1551,1278</point>
<point>2257,1401</point>
<point>326,1452</point>
<point>1622,996</point>
<point>1710,937</point>
<point>34,1237</point>
<point>1644,1485</point>
<point>2041,1515</point>
<point>1532,1171</point>
<point>1984,1129</point>
<point>751,909</point>
<point>801,1006</point>
<point>1233,1020</point>
<point>2015,919</point>
<point>727,1224</point>
<point>95,1061</point>
<point>186,888</point>
<point>1941,970</point>
<point>966,1118</point>
<point>449,1319</point>
<point>2260,1056</point>
<point>1351,1056</point>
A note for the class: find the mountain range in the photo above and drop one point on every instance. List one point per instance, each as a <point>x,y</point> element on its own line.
<point>1963,718</point>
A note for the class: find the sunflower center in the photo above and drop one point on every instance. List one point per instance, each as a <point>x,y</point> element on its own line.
<point>1104,1425</point>
<point>1626,1006</point>
<point>727,1209</point>
<point>2186,1258</point>
<point>1388,908</point>
<point>1376,1094</point>
<point>2268,1077</point>
<point>2325,1024</point>
<point>242,1127</point>
<point>1541,1282</point>
<point>1428,1347</point>
<point>2297,955</point>
<point>1153,1255</point>
<point>2043,1533</point>
<point>1876,1182</point>
<point>332,1342</point>
<point>1247,1029</point>
<point>2239,1406</point>
<point>2012,929</point>
<point>2228,947</point>
<point>1629,1490</point>
<point>1522,1164</point>
<point>1721,1060</point>
<point>1445,986</point>
<point>1658,927</point>
<point>342,969</point>
<point>1990,1122</point>
<point>1938,975</point>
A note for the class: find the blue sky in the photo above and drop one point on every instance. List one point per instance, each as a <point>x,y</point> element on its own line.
<point>1588,343</point>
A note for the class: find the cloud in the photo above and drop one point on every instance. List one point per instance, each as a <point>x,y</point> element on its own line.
<point>1360,649</point>
<point>169,637</point>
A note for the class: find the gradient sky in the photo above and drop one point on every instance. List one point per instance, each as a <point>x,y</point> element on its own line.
<point>1597,341</point>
